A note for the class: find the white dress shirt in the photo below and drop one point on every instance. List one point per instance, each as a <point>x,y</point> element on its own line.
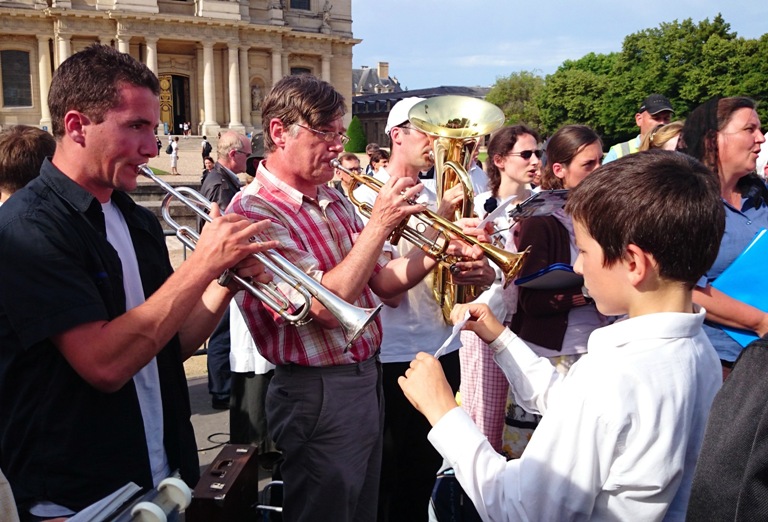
<point>620,433</point>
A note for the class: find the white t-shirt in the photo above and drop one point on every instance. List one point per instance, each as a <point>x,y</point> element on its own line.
<point>621,432</point>
<point>147,381</point>
<point>244,357</point>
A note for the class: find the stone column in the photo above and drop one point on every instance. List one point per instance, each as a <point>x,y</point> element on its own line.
<point>44,72</point>
<point>245,88</point>
<point>124,43</point>
<point>64,46</point>
<point>209,105</point>
<point>277,69</point>
<point>151,53</point>
<point>234,88</point>
<point>285,65</point>
<point>326,71</point>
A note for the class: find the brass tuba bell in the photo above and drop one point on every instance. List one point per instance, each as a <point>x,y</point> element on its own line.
<point>457,123</point>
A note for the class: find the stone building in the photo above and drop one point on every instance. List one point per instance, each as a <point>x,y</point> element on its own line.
<point>215,58</point>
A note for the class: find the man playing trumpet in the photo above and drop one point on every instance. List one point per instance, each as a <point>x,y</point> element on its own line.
<point>94,325</point>
<point>410,462</point>
<point>324,404</point>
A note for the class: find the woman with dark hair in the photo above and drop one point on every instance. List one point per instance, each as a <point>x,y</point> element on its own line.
<point>724,134</point>
<point>513,158</point>
<point>554,323</point>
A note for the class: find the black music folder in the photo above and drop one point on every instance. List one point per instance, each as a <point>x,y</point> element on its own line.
<point>543,203</point>
<point>554,277</point>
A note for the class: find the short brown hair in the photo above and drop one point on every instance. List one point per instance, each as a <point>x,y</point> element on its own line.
<point>300,98</point>
<point>347,156</point>
<point>22,152</point>
<point>666,203</point>
<point>89,82</point>
<point>379,155</point>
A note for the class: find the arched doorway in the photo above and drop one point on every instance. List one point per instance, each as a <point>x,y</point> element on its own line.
<point>174,102</point>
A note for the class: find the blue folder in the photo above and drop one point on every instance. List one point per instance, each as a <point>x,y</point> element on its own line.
<point>554,277</point>
<point>745,279</point>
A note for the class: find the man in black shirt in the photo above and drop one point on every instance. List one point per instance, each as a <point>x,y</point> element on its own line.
<point>94,325</point>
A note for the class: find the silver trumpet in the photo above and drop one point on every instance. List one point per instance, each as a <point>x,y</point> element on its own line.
<point>352,319</point>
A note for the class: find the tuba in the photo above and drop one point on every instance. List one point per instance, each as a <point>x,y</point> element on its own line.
<point>457,124</point>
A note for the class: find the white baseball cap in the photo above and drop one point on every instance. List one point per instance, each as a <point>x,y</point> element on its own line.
<point>399,113</point>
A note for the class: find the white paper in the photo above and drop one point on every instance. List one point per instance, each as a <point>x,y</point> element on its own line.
<point>107,506</point>
<point>497,212</point>
<point>456,329</point>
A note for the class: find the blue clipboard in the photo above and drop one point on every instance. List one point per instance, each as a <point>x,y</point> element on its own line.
<point>554,277</point>
<point>745,279</point>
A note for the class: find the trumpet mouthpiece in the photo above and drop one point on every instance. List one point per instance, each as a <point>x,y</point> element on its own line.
<point>335,163</point>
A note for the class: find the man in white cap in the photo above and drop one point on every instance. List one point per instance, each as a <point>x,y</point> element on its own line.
<point>655,110</point>
<point>412,323</point>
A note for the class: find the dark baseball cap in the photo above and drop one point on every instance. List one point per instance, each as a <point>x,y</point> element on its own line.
<point>655,103</point>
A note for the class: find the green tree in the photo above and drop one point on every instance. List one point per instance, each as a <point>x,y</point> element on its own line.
<point>575,93</point>
<point>516,96</point>
<point>357,140</point>
<point>686,61</point>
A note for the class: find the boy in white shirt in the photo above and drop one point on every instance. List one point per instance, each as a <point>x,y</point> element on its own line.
<point>621,432</point>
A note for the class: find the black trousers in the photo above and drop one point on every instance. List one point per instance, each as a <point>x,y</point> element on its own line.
<point>409,463</point>
<point>247,415</point>
<point>218,360</point>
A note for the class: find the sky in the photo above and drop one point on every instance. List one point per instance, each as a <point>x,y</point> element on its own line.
<point>431,43</point>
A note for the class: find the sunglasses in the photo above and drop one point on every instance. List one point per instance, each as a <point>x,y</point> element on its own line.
<point>526,154</point>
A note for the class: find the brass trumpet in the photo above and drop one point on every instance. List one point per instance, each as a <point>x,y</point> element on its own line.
<point>352,319</point>
<point>510,263</point>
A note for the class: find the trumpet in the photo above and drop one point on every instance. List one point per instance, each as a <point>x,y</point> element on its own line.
<point>510,263</point>
<point>352,319</point>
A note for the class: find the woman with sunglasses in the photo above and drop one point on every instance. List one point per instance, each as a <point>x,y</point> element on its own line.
<point>483,386</point>
<point>555,323</point>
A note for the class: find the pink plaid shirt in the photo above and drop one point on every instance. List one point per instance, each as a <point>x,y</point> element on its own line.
<point>314,235</point>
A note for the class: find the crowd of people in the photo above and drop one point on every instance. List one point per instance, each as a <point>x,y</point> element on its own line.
<point>591,397</point>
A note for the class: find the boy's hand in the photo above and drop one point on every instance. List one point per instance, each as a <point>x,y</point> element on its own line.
<point>481,320</point>
<point>425,385</point>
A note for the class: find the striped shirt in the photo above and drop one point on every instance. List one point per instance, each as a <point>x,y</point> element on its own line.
<point>316,236</point>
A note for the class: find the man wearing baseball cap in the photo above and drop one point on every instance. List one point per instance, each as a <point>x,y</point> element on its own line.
<point>655,110</point>
<point>411,323</point>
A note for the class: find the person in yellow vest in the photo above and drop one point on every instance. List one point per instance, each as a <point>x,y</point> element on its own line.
<point>654,110</point>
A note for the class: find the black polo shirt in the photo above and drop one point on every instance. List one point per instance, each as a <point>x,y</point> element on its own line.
<point>60,439</point>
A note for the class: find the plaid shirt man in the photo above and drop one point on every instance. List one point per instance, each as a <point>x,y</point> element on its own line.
<point>314,235</point>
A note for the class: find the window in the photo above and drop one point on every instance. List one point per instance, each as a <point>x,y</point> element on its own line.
<point>295,71</point>
<point>17,83</point>
<point>300,4</point>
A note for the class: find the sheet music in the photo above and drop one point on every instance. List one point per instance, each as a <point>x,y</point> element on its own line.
<point>456,330</point>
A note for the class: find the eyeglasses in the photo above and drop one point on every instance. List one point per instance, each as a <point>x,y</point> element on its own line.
<point>356,169</point>
<point>328,137</point>
<point>526,154</point>
<point>241,152</point>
